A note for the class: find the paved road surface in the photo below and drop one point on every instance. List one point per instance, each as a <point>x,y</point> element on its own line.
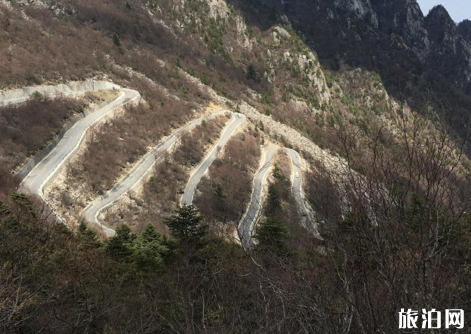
<point>305,213</point>
<point>37,178</point>
<point>198,172</point>
<point>247,223</point>
<point>92,211</point>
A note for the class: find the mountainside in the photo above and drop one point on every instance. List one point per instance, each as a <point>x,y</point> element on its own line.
<point>425,60</point>
<point>231,166</point>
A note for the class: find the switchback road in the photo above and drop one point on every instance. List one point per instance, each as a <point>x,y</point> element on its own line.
<point>92,211</point>
<point>247,222</point>
<point>198,172</point>
<point>246,227</point>
<point>44,170</point>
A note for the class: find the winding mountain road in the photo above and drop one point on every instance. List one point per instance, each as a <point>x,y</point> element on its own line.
<point>34,182</point>
<point>307,219</point>
<point>198,172</point>
<point>247,223</point>
<point>92,211</point>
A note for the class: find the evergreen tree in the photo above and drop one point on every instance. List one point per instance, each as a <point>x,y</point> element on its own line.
<point>277,173</point>
<point>4,209</point>
<point>219,197</point>
<point>274,199</point>
<point>121,245</point>
<point>185,224</point>
<point>116,40</point>
<point>219,193</point>
<point>20,199</point>
<point>273,236</point>
<point>23,202</point>
<point>251,72</point>
<point>150,249</point>
<point>87,237</point>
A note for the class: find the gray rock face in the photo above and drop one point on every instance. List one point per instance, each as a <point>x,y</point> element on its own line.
<point>360,9</point>
<point>414,28</point>
<point>41,3</point>
<point>451,52</point>
<point>424,60</point>
<point>405,19</point>
<point>441,26</point>
<point>465,30</point>
<point>377,33</point>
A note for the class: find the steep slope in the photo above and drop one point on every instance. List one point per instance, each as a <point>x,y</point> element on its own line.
<point>465,30</point>
<point>364,90</point>
<point>451,52</point>
<point>392,38</point>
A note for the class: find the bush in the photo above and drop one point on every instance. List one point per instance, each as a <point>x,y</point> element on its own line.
<point>28,127</point>
<point>116,40</point>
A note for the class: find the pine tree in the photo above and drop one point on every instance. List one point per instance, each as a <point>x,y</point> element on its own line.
<point>273,236</point>
<point>23,202</point>
<point>219,193</point>
<point>116,40</point>
<point>121,245</point>
<point>251,72</point>
<point>277,173</point>
<point>150,249</point>
<point>20,199</point>
<point>87,237</point>
<point>4,209</point>
<point>185,224</point>
<point>274,199</point>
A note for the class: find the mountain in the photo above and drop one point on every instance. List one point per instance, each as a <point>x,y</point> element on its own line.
<point>451,52</point>
<point>231,166</point>
<point>421,59</point>
<point>465,30</point>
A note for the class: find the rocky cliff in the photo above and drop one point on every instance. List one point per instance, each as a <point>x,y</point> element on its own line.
<point>424,60</point>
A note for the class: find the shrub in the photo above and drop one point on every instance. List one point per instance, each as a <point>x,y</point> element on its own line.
<point>116,40</point>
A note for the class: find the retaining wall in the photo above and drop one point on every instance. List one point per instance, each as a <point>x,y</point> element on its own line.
<point>69,89</point>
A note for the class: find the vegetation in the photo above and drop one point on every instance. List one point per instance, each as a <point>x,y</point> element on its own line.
<point>222,197</point>
<point>28,127</point>
<point>185,225</point>
<point>195,281</point>
<point>193,145</point>
<point>130,134</point>
<point>169,177</point>
<point>273,237</point>
<point>116,40</point>
<point>395,220</point>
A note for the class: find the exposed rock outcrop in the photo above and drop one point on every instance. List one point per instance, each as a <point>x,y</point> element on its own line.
<point>360,9</point>
<point>451,53</point>
<point>465,30</point>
